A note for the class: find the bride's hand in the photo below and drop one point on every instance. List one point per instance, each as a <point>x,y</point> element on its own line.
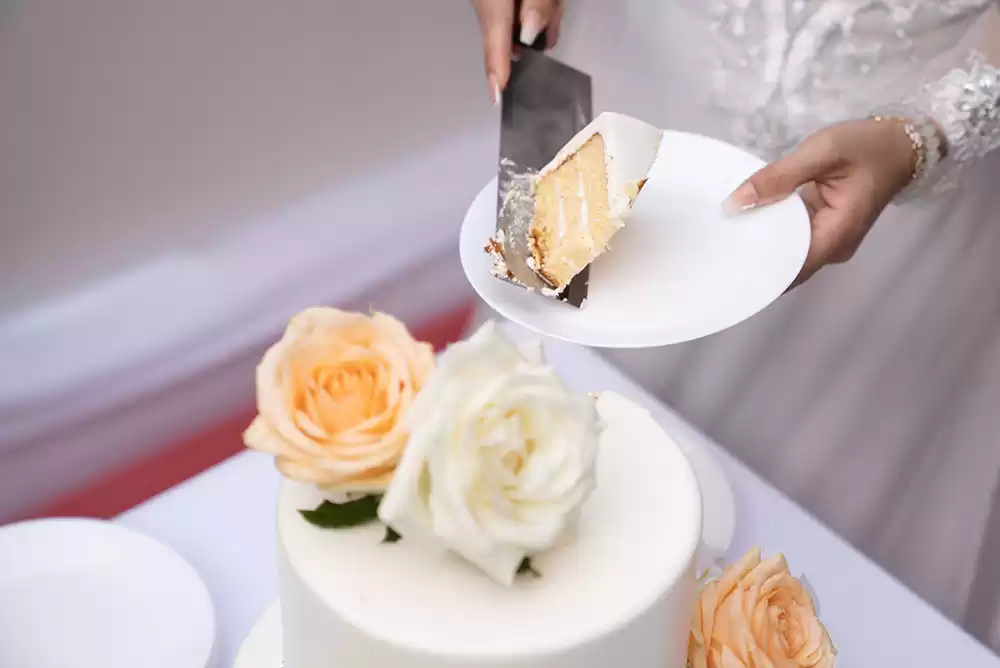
<point>496,20</point>
<point>846,174</point>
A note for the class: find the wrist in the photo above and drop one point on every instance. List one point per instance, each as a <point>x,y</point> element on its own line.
<point>901,150</point>
<point>920,143</point>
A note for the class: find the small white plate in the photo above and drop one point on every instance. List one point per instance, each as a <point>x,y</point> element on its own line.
<point>262,648</point>
<point>679,270</point>
<point>91,594</point>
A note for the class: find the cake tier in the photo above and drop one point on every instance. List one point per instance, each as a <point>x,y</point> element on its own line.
<point>618,592</point>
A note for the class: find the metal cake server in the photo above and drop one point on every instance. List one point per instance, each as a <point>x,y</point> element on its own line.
<point>545,104</point>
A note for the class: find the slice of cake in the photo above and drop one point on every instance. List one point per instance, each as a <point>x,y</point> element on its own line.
<point>524,524</point>
<point>582,197</point>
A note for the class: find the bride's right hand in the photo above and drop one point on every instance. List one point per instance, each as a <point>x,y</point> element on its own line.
<point>496,20</point>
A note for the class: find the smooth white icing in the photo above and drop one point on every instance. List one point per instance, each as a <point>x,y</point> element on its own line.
<point>630,149</point>
<point>618,591</point>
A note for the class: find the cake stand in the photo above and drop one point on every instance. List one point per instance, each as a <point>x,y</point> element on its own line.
<point>262,647</point>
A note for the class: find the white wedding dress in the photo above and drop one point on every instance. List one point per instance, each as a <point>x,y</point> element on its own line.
<point>871,395</point>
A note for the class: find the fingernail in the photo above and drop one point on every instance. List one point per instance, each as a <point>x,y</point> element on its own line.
<point>743,199</point>
<point>494,89</point>
<point>531,25</point>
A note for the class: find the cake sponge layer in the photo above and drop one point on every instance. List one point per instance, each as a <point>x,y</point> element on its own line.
<point>583,195</point>
<point>571,223</point>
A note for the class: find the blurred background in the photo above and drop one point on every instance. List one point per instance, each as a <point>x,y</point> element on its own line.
<point>176,180</point>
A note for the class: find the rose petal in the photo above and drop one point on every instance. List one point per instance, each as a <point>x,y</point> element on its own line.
<point>310,428</point>
<point>259,436</point>
<point>272,404</point>
<point>727,659</point>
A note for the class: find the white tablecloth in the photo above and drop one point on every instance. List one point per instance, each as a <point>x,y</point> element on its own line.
<point>223,521</point>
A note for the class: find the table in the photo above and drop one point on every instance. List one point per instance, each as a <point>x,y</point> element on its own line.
<point>223,521</point>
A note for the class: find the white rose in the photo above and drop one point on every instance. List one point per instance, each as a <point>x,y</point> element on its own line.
<point>500,456</point>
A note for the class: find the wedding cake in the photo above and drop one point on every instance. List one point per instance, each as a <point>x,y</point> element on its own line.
<point>472,511</point>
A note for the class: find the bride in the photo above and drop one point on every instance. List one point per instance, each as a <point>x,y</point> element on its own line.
<point>870,394</point>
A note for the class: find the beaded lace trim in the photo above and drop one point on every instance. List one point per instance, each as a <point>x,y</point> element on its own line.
<point>965,105</point>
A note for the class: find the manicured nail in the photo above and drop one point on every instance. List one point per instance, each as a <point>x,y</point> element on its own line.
<point>494,89</point>
<point>743,199</point>
<point>531,26</point>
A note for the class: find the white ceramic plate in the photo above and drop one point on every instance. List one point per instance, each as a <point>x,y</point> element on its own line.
<point>91,594</point>
<point>679,270</point>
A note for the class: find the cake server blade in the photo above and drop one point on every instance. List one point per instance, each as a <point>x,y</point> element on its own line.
<point>545,104</point>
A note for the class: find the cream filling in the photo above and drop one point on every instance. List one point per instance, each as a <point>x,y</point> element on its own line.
<point>584,210</point>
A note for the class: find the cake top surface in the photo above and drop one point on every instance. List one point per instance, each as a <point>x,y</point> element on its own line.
<point>637,535</point>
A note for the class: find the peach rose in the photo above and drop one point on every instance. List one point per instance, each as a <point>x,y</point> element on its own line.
<point>757,615</point>
<point>331,395</point>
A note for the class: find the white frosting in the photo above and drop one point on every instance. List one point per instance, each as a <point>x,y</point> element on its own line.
<point>630,149</point>
<point>500,456</point>
<point>618,592</point>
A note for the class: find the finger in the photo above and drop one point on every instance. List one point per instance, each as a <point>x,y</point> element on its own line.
<point>812,198</point>
<point>825,241</point>
<point>496,19</point>
<point>536,15</point>
<point>812,159</point>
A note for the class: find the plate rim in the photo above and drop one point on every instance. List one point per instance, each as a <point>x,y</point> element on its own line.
<point>132,534</point>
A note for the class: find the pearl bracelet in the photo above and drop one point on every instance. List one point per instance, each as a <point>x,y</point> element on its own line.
<point>917,142</point>
<point>925,139</point>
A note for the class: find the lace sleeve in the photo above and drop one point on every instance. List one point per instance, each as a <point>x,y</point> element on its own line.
<point>958,107</point>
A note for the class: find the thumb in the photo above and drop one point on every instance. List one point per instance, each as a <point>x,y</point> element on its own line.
<point>808,162</point>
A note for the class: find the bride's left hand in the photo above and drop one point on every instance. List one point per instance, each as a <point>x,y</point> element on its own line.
<point>846,174</point>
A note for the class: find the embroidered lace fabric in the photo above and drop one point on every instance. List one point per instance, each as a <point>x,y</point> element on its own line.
<point>965,103</point>
<point>782,69</point>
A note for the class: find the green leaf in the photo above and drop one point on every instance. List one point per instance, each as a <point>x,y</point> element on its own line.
<point>390,535</point>
<point>525,568</point>
<point>329,515</point>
